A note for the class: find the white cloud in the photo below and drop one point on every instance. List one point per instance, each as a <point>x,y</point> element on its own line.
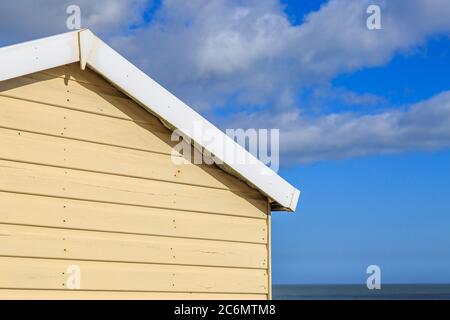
<point>422,126</point>
<point>227,47</point>
<point>22,20</point>
<point>250,51</point>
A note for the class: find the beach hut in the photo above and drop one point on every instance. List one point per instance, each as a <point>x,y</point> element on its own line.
<point>93,203</point>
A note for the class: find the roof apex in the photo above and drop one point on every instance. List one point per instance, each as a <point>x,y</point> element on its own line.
<point>84,47</point>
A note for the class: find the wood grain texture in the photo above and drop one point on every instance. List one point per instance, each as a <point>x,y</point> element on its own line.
<point>37,242</point>
<point>28,273</point>
<point>51,181</point>
<point>60,122</point>
<point>11,294</point>
<point>56,151</point>
<point>85,215</point>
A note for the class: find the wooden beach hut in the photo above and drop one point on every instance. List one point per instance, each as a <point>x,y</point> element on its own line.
<point>92,205</point>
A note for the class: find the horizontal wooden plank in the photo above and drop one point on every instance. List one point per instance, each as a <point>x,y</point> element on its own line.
<point>28,273</point>
<point>38,242</point>
<point>52,181</point>
<point>85,215</point>
<point>71,94</point>
<point>56,151</point>
<point>30,116</point>
<point>10,294</point>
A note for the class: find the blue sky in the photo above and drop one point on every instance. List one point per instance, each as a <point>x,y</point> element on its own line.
<point>389,210</point>
<point>392,211</point>
<point>364,114</point>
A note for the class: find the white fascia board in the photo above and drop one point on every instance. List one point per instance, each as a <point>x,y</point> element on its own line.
<point>135,83</point>
<point>34,56</point>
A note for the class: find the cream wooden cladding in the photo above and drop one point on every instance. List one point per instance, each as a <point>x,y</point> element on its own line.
<point>97,216</point>
<point>60,182</point>
<point>29,273</point>
<point>87,179</point>
<point>21,241</point>
<point>54,151</point>
<point>14,294</point>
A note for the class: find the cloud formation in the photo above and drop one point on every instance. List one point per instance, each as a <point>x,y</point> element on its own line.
<point>238,55</point>
<point>250,52</point>
<point>22,20</point>
<point>421,126</point>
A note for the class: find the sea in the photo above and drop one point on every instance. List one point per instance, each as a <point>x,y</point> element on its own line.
<point>361,292</point>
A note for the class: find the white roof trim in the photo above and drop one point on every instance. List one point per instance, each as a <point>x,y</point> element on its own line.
<point>84,47</point>
<point>38,55</point>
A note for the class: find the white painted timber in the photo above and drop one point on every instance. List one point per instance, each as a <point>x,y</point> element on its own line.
<point>33,56</point>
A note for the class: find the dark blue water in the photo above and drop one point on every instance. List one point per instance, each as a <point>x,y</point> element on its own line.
<point>358,292</point>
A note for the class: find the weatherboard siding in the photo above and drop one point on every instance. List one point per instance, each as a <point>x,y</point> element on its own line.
<point>87,179</point>
<point>15,294</point>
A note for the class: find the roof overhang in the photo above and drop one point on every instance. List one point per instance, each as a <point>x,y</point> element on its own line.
<point>84,47</point>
